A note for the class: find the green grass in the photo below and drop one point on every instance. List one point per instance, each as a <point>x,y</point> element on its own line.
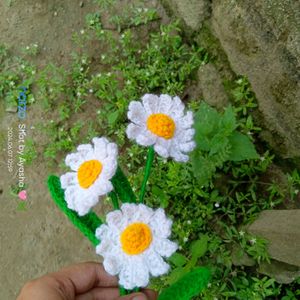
<point>210,199</point>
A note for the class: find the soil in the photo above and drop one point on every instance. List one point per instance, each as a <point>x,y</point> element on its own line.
<point>38,239</point>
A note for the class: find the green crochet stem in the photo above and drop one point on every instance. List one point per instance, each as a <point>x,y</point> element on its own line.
<point>122,187</point>
<point>86,224</point>
<point>149,162</point>
<point>114,200</point>
<point>188,286</point>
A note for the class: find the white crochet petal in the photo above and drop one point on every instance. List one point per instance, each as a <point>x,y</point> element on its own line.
<point>116,220</point>
<point>68,179</point>
<point>146,139</point>
<point>79,200</point>
<point>160,224</point>
<point>112,150</point>
<point>133,131</point>
<point>187,121</point>
<point>164,247</point>
<point>104,248</point>
<point>178,155</point>
<point>102,232</point>
<point>177,108</point>
<point>156,265</point>
<point>112,264</point>
<point>142,214</point>
<point>74,160</point>
<point>110,165</point>
<point>100,147</point>
<point>128,210</point>
<point>185,135</point>
<point>136,113</point>
<point>134,273</point>
<point>84,149</point>
<point>165,104</point>
<point>150,103</point>
<point>101,186</point>
<point>161,151</point>
<point>187,147</point>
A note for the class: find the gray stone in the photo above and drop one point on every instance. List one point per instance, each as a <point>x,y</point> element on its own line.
<point>281,229</point>
<point>281,272</point>
<point>193,12</point>
<point>262,41</point>
<point>211,86</point>
<point>241,258</point>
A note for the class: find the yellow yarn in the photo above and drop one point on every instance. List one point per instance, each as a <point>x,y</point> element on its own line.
<point>88,172</point>
<point>161,125</point>
<point>136,238</point>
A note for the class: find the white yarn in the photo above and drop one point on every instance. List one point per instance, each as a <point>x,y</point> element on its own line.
<point>135,270</point>
<point>81,199</point>
<point>176,147</point>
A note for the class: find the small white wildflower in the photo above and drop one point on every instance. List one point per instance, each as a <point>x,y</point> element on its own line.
<point>61,129</point>
<point>209,285</point>
<point>22,66</point>
<point>122,36</point>
<point>33,72</point>
<point>27,48</point>
<point>12,83</point>
<point>165,161</point>
<point>180,248</point>
<point>139,10</point>
<point>189,222</point>
<point>108,74</point>
<point>51,121</point>
<point>128,82</point>
<point>103,56</point>
<point>272,204</point>
<point>253,241</point>
<point>163,33</point>
<point>91,91</point>
<point>146,9</point>
<point>139,51</point>
<point>78,94</point>
<point>50,90</point>
<point>83,61</point>
<point>99,75</point>
<point>296,192</point>
<point>241,233</point>
<point>262,158</point>
<point>82,31</point>
<point>217,204</point>
<point>249,133</point>
<point>130,154</point>
<point>55,14</point>
<point>185,239</point>
<point>102,31</point>
<point>98,112</point>
<point>81,69</point>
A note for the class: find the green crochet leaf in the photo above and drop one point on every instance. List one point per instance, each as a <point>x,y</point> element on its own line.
<point>86,224</point>
<point>188,286</point>
<point>122,187</point>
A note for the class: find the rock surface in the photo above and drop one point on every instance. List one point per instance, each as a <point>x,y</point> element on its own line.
<point>281,229</point>
<point>211,86</point>
<point>261,40</point>
<point>281,272</point>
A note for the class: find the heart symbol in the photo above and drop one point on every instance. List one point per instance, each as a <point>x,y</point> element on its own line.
<point>23,195</point>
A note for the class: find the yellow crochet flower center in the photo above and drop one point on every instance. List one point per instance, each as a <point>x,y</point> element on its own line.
<point>136,238</point>
<point>88,172</point>
<point>161,125</point>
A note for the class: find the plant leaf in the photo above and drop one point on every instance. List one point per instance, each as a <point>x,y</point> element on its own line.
<point>241,147</point>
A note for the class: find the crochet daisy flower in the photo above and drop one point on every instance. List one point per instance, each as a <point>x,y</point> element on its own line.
<point>93,166</point>
<point>161,121</point>
<point>133,243</point>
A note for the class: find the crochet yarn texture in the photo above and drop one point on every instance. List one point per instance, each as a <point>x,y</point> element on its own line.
<point>190,285</point>
<point>86,224</point>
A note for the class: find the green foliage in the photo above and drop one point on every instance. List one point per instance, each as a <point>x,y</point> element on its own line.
<point>218,141</point>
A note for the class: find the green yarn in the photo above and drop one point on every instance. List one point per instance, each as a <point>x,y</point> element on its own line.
<point>190,285</point>
<point>86,224</point>
<point>114,199</point>
<point>122,187</point>
<point>149,162</point>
